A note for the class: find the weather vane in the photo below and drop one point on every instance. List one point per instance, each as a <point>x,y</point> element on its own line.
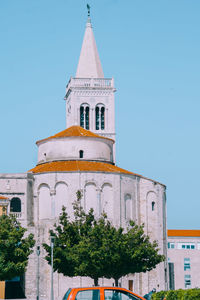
<point>88,8</point>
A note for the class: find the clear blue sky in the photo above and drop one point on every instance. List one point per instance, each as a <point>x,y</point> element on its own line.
<point>152,50</point>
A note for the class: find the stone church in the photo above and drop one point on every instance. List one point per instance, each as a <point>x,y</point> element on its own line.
<point>82,157</point>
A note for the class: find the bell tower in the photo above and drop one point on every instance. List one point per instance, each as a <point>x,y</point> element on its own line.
<point>90,96</point>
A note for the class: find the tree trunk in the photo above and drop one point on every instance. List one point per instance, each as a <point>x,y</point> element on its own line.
<point>96,281</point>
<point>116,282</point>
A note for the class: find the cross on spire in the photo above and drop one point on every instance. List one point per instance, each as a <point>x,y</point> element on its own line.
<point>88,8</point>
<point>89,64</point>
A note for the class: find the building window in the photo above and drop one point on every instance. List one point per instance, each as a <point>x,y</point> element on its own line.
<point>171,245</point>
<point>100,117</point>
<point>130,285</point>
<point>171,276</point>
<point>97,117</point>
<point>186,246</point>
<point>128,207</point>
<point>186,264</point>
<point>187,279</point>
<point>15,205</point>
<point>85,116</point>
<point>153,206</point>
<point>81,154</point>
<point>82,116</point>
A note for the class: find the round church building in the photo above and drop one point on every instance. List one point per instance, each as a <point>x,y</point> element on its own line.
<point>78,159</point>
<point>82,157</point>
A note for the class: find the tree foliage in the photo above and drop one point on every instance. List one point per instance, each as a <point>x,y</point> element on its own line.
<point>14,248</point>
<point>86,246</point>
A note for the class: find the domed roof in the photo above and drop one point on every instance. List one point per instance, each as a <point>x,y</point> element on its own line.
<point>74,131</point>
<point>78,166</point>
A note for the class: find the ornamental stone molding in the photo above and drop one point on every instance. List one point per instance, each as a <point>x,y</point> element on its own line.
<point>87,93</point>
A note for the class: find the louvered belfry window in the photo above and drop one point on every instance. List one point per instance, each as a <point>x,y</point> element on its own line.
<point>100,117</point>
<point>85,116</point>
<point>97,118</point>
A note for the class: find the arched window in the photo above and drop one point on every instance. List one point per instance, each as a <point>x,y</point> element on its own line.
<point>100,117</point>
<point>85,116</point>
<point>15,205</point>
<point>82,116</point>
<point>128,207</point>
<point>81,154</point>
<point>97,118</point>
<point>153,206</point>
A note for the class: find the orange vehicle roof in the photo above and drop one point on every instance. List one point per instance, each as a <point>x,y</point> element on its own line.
<point>78,165</point>
<point>182,232</point>
<point>74,131</point>
<point>75,290</point>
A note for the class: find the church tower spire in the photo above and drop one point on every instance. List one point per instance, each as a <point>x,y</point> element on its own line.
<point>89,65</point>
<point>90,96</point>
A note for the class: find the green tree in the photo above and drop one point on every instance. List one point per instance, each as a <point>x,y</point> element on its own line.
<point>132,252</point>
<point>92,247</point>
<point>14,248</point>
<point>68,236</point>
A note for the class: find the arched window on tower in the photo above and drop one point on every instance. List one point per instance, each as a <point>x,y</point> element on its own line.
<point>153,206</point>
<point>15,205</point>
<point>82,116</point>
<point>97,117</point>
<point>100,117</point>
<point>85,116</point>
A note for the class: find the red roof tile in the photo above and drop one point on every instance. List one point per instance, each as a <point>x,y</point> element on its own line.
<point>76,166</point>
<point>74,131</point>
<point>82,166</point>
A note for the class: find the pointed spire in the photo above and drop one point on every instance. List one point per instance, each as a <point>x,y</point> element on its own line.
<point>89,64</point>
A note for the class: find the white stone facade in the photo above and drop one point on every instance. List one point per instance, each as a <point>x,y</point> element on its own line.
<point>121,194</point>
<point>129,197</point>
<point>92,93</point>
<point>94,149</point>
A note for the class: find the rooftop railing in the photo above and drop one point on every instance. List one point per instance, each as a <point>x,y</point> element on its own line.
<point>91,82</point>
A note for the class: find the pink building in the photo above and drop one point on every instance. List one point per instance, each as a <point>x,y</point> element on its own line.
<point>184,258</point>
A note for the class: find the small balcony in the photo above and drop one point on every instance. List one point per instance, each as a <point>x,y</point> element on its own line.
<point>17,215</point>
<point>15,208</point>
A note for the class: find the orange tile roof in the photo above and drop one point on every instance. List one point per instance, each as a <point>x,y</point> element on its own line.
<point>78,166</point>
<point>82,166</point>
<point>3,198</point>
<point>181,232</point>
<point>74,131</point>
